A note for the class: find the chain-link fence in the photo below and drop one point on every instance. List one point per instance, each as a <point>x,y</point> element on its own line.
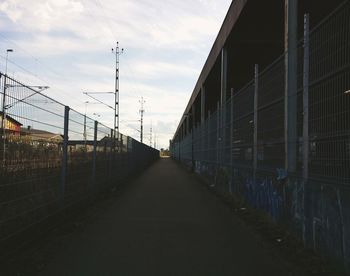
<point>52,157</point>
<point>242,147</point>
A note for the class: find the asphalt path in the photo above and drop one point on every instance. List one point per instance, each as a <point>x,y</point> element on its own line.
<point>166,222</point>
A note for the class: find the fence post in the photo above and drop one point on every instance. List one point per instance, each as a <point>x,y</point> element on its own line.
<point>305,146</point>
<point>223,100</point>
<point>209,158</point>
<point>223,75</point>
<point>255,139</point>
<point>231,140</point>
<point>121,169</point>
<point>291,62</point>
<point>64,154</point>
<point>3,122</point>
<point>127,156</point>
<point>111,151</point>
<point>202,104</point>
<point>94,156</point>
<point>192,136</point>
<point>217,134</point>
<point>202,124</point>
<point>179,144</point>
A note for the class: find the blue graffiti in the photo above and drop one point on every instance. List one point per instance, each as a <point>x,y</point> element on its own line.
<point>281,174</point>
<point>263,195</point>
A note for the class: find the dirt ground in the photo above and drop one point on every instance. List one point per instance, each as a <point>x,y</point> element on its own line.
<point>165,222</point>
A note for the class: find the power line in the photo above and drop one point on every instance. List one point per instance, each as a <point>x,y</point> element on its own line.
<point>39,62</point>
<point>150,135</point>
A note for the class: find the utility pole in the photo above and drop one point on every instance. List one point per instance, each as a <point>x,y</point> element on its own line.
<point>150,136</point>
<point>142,110</point>
<point>85,134</point>
<point>3,120</point>
<point>117,52</point>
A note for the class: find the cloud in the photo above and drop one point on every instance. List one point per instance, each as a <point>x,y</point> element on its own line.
<point>149,69</point>
<point>42,15</point>
<point>166,42</point>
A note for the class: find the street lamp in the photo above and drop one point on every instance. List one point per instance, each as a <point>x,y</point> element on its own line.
<point>84,135</point>
<point>96,115</point>
<point>7,56</point>
<point>89,94</point>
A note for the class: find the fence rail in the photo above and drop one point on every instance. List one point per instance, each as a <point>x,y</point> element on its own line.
<point>52,156</point>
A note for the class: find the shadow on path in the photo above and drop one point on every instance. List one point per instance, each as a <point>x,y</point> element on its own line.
<point>165,223</point>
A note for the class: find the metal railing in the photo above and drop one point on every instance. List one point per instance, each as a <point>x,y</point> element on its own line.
<point>52,156</point>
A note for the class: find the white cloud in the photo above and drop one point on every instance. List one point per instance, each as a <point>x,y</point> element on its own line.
<point>42,15</point>
<point>166,43</point>
<point>149,69</point>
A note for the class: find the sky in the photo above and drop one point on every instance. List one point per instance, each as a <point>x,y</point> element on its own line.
<point>66,45</point>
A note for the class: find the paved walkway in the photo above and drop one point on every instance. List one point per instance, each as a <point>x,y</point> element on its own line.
<point>165,223</point>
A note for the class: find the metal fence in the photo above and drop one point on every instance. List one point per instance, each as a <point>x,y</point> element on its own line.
<point>241,147</point>
<point>52,157</point>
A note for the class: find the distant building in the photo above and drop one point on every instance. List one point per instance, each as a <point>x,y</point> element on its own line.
<point>164,153</point>
<point>80,145</point>
<point>11,125</point>
<point>38,136</point>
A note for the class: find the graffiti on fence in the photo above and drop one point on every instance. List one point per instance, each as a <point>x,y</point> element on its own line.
<point>264,195</point>
<point>222,179</point>
<point>265,192</point>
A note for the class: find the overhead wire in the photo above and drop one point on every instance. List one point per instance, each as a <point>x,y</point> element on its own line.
<point>107,21</point>
<point>41,79</point>
<point>45,66</point>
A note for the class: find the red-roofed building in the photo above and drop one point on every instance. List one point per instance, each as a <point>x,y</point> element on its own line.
<point>11,125</point>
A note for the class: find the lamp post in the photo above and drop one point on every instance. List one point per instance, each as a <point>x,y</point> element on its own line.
<point>96,115</point>
<point>89,94</point>
<point>3,123</point>
<point>142,110</point>
<point>7,56</point>
<point>84,135</point>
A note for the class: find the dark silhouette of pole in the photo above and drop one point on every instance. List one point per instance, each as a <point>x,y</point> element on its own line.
<point>142,110</point>
<point>116,95</point>
<point>3,121</point>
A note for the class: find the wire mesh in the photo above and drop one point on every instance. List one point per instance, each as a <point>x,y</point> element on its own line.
<point>226,137</point>
<point>32,183</point>
<point>329,99</point>
<point>310,199</point>
<point>243,126</point>
<point>271,116</point>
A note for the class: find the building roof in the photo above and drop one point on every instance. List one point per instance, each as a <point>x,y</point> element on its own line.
<point>41,134</point>
<point>10,119</point>
<point>230,20</point>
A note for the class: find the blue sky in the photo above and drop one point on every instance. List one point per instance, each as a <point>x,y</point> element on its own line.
<point>66,44</point>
